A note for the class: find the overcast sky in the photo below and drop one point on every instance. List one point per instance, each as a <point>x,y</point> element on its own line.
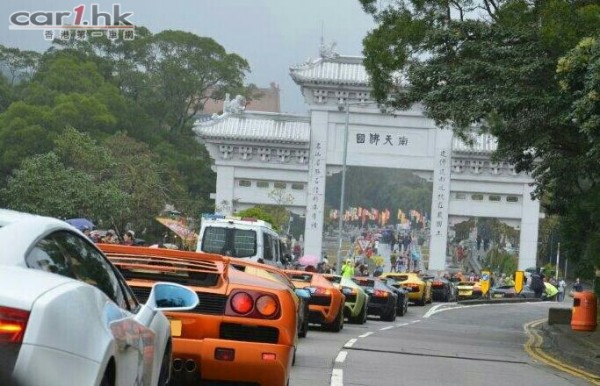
<point>271,34</point>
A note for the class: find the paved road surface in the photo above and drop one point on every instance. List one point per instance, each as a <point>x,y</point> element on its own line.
<point>443,344</point>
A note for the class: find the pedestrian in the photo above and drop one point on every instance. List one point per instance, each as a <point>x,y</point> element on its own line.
<point>562,285</point>
<point>393,258</point>
<point>88,232</point>
<point>128,238</point>
<point>577,286</point>
<point>537,283</point>
<point>348,269</point>
<point>502,280</point>
<point>111,237</point>
<point>550,291</point>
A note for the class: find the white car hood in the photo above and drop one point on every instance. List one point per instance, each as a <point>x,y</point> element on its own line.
<point>20,287</point>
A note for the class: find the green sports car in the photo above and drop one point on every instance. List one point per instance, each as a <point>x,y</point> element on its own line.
<point>355,308</point>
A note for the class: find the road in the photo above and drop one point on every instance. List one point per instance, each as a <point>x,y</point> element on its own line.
<point>440,344</point>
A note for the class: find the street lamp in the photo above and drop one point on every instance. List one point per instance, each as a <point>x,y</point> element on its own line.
<point>345,106</point>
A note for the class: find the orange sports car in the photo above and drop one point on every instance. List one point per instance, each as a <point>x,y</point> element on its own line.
<point>301,296</point>
<point>326,305</point>
<point>242,331</point>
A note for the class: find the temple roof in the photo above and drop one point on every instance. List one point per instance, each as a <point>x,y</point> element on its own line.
<point>256,127</point>
<point>482,143</point>
<point>339,70</point>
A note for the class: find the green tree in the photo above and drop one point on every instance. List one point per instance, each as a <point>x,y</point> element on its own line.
<point>258,213</point>
<point>43,185</point>
<point>493,64</point>
<point>140,175</point>
<point>18,65</point>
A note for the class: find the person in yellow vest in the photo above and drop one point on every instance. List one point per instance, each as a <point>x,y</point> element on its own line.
<point>509,281</point>
<point>348,269</point>
<point>550,291</point>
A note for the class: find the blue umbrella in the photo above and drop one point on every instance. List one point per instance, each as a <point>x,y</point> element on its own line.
<point>81,223</point>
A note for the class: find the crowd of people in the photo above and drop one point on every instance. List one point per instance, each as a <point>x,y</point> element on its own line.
<point>110,237</point>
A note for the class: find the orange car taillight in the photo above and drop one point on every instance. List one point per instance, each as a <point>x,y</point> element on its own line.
<point>253,304</point>
<point>381,294</point>
<point>12,324</point>
<point>266,306</point>
<point>242,303</point>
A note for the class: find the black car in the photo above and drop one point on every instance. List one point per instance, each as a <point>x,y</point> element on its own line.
<point>402,294</point>
<point>383,300</point>
<point>443,290</point>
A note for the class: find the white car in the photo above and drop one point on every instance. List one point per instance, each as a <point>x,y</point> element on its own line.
<point>67,316</point>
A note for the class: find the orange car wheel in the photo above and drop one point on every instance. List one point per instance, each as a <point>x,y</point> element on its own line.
<point>338,324</point>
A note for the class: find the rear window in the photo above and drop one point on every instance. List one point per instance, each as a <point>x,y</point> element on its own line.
<point>399,278</point>
<point>229,241</point>
<point>334,279</point>
<point>300,277</point>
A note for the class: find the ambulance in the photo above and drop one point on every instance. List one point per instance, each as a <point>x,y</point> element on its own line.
<point>243,238</point>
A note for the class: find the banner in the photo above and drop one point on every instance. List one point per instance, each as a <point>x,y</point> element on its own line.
<point>180,228</point>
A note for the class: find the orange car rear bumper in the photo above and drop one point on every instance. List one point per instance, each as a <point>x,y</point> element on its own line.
<point>322,314</point>
<point>263,363</point>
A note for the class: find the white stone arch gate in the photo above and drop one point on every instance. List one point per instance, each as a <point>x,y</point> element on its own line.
<point>255,152</point>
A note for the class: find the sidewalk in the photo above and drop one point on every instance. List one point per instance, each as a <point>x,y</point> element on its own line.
<point>580,349</point>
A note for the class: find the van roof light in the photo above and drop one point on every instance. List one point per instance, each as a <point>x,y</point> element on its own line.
<point>209,216</point>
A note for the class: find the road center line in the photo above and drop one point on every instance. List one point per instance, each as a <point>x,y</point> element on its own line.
<point>386,328</point>
<point>337,377</point>
<point>341,357</point>
<point>366,334</point>
<point>350,343</point>
<point>402,324</point>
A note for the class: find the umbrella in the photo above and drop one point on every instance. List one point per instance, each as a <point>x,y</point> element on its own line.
<point>81,223</point>
<point>309,260</point>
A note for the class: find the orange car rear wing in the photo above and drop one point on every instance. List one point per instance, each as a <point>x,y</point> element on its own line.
<point>187,268</point>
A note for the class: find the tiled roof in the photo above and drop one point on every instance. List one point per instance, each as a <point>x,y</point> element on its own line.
<point>256,127</point>
<point>347,70</point>
<point>482,143</point>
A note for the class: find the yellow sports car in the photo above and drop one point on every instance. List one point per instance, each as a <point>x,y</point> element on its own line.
<point>418,287</point>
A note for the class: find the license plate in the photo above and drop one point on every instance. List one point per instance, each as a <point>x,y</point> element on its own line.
<point>463,293</point>
<point>497,295</point>
<point>175,327</point>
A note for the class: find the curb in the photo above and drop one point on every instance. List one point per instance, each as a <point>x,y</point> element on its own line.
<point>500,301</point>
<point>535,348</point>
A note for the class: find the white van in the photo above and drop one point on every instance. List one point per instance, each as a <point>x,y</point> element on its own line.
<point>245,238</point>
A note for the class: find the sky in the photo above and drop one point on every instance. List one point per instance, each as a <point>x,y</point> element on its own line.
<point>271,35</point>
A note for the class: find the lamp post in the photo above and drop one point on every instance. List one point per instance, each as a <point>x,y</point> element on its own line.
<point>343,189</point>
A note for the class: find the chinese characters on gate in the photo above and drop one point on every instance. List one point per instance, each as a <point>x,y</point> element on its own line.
<point>441,191</point>
<point>317,186</point>
<point>376,139</point>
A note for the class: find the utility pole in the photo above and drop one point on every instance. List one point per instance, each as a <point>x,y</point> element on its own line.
<point>343,190</point>
<point>557,260</point>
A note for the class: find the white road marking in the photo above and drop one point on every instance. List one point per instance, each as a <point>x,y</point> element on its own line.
<point>337,377</point>
<point>386,328</point>
<point>432,310</point>
<point>365,334</point>
<point>402,324</point>
<point>341,357</point>
<point>350,343</point>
